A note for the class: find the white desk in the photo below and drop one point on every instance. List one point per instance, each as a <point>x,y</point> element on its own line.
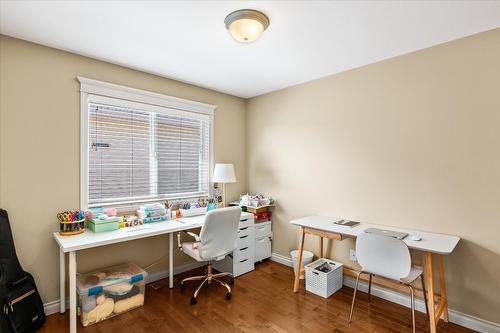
<point>430,243</point>
<point>89,239</point>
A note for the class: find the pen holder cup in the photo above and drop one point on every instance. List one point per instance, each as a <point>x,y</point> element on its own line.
<point>72,227</point>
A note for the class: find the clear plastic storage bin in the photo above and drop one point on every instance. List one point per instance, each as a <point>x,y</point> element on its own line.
<point>109,292</point>
<point>324,283</point>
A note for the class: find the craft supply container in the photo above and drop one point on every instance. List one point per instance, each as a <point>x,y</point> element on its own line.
<point>321,283</point>
<point>193,211</point>
<point>109,292</point>
<point>71,227</point>
<point>97,225</point>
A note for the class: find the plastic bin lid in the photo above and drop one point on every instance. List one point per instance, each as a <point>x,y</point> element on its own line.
<point>116,280</point>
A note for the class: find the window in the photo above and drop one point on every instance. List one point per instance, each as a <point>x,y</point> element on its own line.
<point>142,146</point>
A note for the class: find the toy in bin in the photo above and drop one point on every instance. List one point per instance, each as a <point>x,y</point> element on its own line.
<point>109,292</point>
<point>71,222</point>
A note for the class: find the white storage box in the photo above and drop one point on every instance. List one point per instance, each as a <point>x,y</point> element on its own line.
<point>321,283</point>
<point>111,291</point>
<point>193,211</point>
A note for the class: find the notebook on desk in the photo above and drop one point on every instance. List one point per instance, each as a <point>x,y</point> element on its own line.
<point>346,223</point>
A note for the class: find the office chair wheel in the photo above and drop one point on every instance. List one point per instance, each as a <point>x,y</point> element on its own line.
<point>228,296</point>
<point>183,286</point>
<point>231,281</point>
<point>193,301</point>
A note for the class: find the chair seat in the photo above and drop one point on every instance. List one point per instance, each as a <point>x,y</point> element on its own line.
<point>187,248</point>
<point>415,273</point>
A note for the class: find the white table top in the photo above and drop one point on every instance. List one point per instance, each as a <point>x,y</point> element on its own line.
<point>430,242</point>
<point>90,239</point>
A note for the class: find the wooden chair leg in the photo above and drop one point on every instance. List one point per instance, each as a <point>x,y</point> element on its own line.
<point>412,298</point>
<point>354,296</point>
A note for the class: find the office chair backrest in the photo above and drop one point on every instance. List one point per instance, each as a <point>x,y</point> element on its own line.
<point>383,255</point>
<point>219,233</point>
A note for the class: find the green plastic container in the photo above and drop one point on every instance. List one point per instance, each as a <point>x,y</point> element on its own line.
<point>103,226</point>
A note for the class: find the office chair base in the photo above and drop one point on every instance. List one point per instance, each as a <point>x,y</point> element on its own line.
<point>208,278</point>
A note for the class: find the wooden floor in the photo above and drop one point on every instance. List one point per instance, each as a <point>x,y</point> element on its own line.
<point>263,301</point>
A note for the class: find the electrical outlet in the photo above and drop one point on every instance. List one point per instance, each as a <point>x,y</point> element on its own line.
<point>352,255</point>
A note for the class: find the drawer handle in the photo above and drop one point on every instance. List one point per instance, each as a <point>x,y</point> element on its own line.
<point>261,240</point>
<point>244,228</point>
<point>261,228</point>
<point>243,220</point>
<point>243,237</point>
<point>243,260</point>
<point>243,248</point>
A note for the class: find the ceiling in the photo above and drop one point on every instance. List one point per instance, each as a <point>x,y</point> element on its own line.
<point>187,40</point>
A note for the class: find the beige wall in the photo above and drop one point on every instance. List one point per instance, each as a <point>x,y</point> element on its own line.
<point>413,141</point>
<point>39,151</point>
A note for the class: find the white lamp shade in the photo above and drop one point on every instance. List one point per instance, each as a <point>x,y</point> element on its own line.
<point>224,173</point>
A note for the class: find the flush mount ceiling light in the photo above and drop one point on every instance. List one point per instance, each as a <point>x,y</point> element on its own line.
<point>246,25</point>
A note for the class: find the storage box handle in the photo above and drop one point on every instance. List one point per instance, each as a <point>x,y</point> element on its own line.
<point>136,278</point>
<point>94,290</point>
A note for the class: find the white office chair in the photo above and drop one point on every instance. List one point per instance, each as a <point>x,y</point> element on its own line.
<point>387,257</point>
<point>217,239</point>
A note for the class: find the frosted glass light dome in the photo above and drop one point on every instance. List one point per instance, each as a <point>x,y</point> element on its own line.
<point>246,25</point>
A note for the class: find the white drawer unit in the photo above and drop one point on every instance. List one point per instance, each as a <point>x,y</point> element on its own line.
<point>262,229</point>
<point>263,239</point>
<point>242,259</point>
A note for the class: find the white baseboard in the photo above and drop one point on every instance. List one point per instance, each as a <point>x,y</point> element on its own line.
<point>53,307</point>
<point>455,317</point>
<point>287,261</point>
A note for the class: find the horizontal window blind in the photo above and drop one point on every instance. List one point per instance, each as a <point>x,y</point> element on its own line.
<point>138,155</point>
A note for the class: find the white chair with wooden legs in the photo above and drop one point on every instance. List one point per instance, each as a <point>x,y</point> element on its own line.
<point>386,257</point>
<point>218,238</point>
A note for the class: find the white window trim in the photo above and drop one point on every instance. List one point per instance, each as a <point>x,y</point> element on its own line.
<point>90,87</point>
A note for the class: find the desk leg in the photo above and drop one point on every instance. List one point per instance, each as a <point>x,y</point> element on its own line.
<point>171,260</point>
<point>299,260</point>
<point>442,286</point>
<point>430,291</point>
<point>321,246</point>
<point>62,282</point>
<point>72,292</point>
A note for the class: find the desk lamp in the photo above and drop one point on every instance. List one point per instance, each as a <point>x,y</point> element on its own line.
<point>224,173</point>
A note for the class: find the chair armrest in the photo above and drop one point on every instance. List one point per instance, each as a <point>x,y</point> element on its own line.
<point>195,236</point>
<point>179,245</point>
<point>192,234</point>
